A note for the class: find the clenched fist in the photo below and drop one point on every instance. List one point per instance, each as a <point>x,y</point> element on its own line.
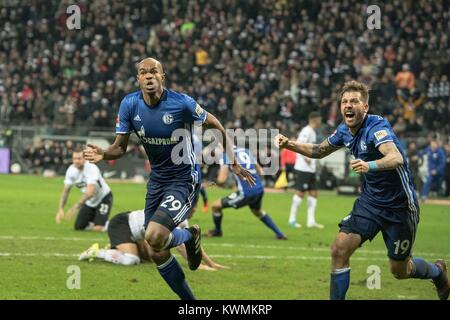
<point>281,141</point>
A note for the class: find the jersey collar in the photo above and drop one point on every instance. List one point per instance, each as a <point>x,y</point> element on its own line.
<point>362,125</point>
<point>162,98</point>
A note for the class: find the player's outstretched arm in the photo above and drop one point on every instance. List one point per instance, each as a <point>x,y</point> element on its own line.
<point>310,150</point>
<point>90,190</point>
<point>210,262</point>
<point>95,154</point>
<point>228,144</point>
<point>207,263</point>
<point>62,203</point>
<point>391,160</point>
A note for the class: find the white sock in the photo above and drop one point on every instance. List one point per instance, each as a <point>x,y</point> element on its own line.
<point>342,270</point>
<point>118,257</point>
<point>89,227</point>
<point>312,202</point>
<point>101,253</point>
<point>296,201</point>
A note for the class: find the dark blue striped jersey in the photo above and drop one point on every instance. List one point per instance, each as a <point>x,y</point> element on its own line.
<point>247,161</point>
<point>388,189</point>
<point>165,131</point>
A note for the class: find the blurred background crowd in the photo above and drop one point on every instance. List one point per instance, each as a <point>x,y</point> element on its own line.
<point>253,63</point>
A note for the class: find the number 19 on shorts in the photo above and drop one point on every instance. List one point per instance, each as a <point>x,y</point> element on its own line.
<point>401,245</point>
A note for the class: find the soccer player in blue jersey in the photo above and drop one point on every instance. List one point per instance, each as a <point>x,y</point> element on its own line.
<point>244,196</point>
<point>158,116</point>
<point>387,202</point>
<point>436,167</point>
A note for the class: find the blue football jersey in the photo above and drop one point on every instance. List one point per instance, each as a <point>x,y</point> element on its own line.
<point>247,161</point>
<point>156,127</point>
<point>436,160</point>
<point>389,189</point>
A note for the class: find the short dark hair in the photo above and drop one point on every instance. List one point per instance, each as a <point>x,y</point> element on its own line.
<point>352,86</point>
<point>314,114</point>
<point>77,149</point>
<point>136,65</point>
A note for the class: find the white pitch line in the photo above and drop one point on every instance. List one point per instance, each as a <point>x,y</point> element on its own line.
<point>318,249</point>
<point>224,256</point>
<point>229,245</point>
<point>47,255</point>
<point>49,238</point>
<point>257,257</point>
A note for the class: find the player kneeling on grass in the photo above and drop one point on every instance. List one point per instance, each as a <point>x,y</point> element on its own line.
<point>92,210</point>
<point>245,196</point>
<point>127,244</point>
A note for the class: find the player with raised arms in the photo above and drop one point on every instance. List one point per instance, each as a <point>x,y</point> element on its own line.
<point>156,115</point>
<point>388,202</point>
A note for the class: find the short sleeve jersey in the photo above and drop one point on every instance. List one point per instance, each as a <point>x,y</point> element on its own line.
<point>389,189</point>
<point>90,174</point>
<point>165,130</point>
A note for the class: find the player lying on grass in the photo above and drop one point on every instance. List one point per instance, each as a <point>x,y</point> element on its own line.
<point>127,244</point>
<point>388,202</point>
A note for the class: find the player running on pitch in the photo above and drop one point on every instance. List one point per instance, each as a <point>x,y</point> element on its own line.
<point>244,196</point>
<point>163,120</point>
<point>387,202</point>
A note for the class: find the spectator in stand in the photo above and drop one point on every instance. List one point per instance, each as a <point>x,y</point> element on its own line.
<point>410,105</point>
<point>405,78</point>
<point>216,49</point>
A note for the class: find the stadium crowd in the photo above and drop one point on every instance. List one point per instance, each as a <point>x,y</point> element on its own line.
<point>254,63</point>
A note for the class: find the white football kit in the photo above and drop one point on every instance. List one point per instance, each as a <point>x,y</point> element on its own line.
<point>307,135</point>
<point>90,174</point>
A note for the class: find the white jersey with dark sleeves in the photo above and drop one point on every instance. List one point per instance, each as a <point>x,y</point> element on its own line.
<point>89,174</point>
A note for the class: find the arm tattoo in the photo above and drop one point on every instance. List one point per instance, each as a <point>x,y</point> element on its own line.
<point>315,151</point>
<point>322,150</point>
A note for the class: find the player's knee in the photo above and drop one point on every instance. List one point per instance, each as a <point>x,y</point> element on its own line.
<point>339,251</point>
<point>216,206</point>
<point>257,213</point>
<point>301,194</point>
<point>156,240</point>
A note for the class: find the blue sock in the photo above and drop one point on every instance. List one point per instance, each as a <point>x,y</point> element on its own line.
<point>339,283</point>
<point>177,237</point>
<point>424,270</point>
<point>217,218</point>
<point>174,276</point>
<point>267,220</point>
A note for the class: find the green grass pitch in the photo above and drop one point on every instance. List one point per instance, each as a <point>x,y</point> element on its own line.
<point>35,253</point>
